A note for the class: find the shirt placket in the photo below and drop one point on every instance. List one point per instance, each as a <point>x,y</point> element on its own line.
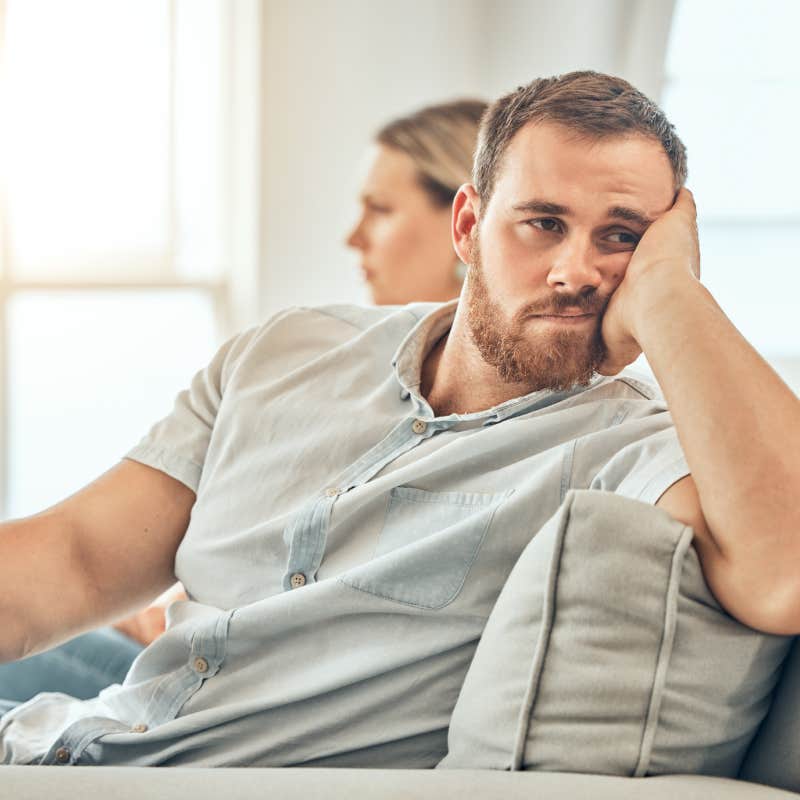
<point>306,534</point>
<point>204,660</point>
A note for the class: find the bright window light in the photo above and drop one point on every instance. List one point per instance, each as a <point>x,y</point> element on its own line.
<point>89,383</point>
<point>88,93</point>
<point>733,92</point>
<point>119,241</point>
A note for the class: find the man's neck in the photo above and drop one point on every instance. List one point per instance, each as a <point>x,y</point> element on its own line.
<point>456,379</point>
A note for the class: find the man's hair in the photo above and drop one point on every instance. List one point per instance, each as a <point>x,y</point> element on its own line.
<point>440,139</point>
<point>590,104</point>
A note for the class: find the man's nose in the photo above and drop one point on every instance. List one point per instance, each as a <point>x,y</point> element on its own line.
<point>574,267</point>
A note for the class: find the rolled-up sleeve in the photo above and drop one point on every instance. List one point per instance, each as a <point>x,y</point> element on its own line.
<point>644,469</point>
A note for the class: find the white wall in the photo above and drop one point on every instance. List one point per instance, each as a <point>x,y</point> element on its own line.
<point>335,71</point>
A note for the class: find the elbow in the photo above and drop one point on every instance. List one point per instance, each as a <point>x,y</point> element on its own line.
<point>761,602</point>
<point>779,611</point>
<point>763,594</point>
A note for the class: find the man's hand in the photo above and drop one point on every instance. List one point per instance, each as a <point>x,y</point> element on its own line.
<point>666,260</point>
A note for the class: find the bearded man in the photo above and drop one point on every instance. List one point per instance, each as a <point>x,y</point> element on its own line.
<point>343,491</point>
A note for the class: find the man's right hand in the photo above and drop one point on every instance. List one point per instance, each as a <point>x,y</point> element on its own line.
<point>666,260</point>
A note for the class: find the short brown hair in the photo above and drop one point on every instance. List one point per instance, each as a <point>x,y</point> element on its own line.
<point>441,140</point>
<point>589,103</point>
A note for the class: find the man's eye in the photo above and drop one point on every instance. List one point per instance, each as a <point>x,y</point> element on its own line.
<point>378,209</point>
<point>546,224</point>
<point>621,237</point>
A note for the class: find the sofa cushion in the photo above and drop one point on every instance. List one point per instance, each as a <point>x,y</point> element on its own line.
<point>774,756</point>
<point>606,653</point>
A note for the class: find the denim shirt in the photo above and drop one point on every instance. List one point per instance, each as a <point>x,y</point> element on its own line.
<point>345,548</point>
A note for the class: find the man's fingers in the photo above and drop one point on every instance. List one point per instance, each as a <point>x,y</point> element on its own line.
<point>685,202</point>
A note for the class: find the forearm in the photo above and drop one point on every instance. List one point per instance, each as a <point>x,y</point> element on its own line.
<point>738,423</point>
<point>97,556</point>
<point>45,596</point>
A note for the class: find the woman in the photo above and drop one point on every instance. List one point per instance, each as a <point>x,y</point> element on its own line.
<point>413,171</point>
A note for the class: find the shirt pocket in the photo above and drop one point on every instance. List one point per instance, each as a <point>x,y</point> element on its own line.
<point>427,545</point>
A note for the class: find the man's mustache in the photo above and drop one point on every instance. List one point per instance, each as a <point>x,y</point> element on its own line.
<point>586,302</point>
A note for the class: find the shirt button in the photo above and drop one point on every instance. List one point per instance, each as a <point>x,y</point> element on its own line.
<point>298,580</point>
<point>419,426</point>
<point>62,755</point>
<point>139,728</point>
<point>200,665</point>
<point>332,491</point>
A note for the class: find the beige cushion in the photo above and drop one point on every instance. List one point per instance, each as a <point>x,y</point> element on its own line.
<point>606,653</point>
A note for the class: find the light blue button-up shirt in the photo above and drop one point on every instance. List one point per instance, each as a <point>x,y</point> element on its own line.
<point>345,549</point>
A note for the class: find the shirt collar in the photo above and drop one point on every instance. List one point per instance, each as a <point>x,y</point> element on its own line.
<point>410,355</point>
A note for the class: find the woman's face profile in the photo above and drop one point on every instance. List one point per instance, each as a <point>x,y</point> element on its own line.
<point>402,236</point>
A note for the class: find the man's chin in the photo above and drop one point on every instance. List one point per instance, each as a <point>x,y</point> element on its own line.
<point>559,362</point>
<point>533,352</point>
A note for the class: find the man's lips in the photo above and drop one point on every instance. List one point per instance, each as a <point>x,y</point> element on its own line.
<point>567,318</point>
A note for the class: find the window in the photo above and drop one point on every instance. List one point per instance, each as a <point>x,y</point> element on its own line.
<point>128,252</point>
<point>733,92</point>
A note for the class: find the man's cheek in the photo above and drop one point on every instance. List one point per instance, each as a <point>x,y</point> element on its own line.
<point>617,269</point>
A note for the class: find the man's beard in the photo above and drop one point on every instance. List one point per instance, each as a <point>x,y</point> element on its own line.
<point>547,359</point>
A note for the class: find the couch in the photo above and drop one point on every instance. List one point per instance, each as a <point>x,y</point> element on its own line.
<point>144,783</point>
<point>601,562</point>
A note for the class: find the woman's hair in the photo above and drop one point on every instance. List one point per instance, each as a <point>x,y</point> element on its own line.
<point>441,140</point>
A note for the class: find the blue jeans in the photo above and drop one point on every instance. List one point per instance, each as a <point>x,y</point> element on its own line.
<point>81,667</point>
<point>6,705</point>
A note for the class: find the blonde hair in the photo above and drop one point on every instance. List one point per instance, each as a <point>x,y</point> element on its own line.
<point>441,140</point>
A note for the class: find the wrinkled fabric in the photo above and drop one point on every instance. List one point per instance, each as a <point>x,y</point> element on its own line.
<point>346,547</point>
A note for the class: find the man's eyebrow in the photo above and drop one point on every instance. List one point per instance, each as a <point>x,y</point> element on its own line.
<point>541,207</point>
<point>536,206</point>
<point>629,215</point>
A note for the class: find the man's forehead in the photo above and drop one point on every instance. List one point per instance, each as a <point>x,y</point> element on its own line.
<point>628,174</point>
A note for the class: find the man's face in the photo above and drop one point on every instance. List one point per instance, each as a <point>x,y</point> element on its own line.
<point>552,245</point>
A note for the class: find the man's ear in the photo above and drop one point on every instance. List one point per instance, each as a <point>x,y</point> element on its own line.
<point>466,210</point>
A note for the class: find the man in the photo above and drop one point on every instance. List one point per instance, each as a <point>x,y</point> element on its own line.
<point>343,491</point>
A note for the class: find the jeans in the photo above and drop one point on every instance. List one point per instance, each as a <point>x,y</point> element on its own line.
<point>81,667</point>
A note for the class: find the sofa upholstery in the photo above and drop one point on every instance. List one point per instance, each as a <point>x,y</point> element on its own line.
<point>774,755</point>
<point>144,783</point>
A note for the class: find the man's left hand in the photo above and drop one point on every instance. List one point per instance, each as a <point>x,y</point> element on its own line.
<point>666,260</point>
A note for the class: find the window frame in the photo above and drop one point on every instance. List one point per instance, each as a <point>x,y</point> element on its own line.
<point>234,295</point>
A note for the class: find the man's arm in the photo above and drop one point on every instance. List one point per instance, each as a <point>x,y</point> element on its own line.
<point>98,555</point>
<point>738,424</point>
